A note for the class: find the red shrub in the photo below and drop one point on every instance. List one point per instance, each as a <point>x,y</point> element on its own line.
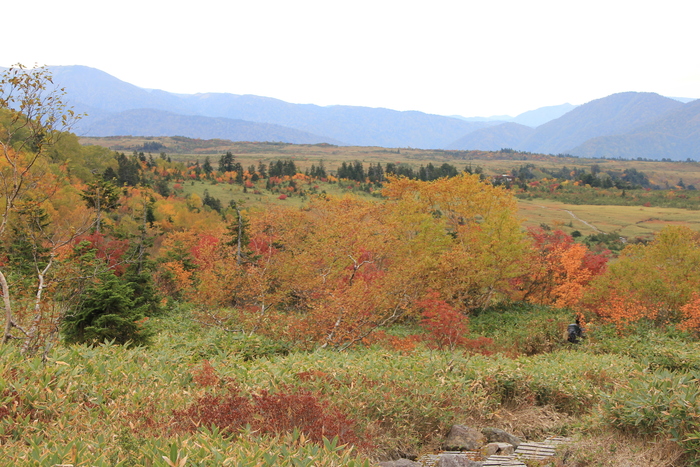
<point>445,325</point>
<point>269,413</point>
<point>206,375</point>
<point>281,412</point>
<point>230,413</point>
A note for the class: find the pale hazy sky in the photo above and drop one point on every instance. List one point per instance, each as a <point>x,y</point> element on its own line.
<point>483,57</point>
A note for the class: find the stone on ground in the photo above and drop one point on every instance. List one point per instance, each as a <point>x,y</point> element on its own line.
<point>464,438</point>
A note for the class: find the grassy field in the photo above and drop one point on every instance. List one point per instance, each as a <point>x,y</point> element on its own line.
<point>628,221</point>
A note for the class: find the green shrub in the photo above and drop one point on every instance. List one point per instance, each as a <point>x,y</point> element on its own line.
<point>107,313</point>
<point>653,347</point>
<point>663,403</point>
<point>251,347</point>
<point>522,327</point>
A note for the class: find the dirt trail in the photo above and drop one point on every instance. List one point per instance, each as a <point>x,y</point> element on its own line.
<point>596,229</point>
<point>593,227</point>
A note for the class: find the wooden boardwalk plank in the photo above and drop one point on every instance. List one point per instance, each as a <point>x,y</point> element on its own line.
<point>503,461</point>
<point>524,452</point>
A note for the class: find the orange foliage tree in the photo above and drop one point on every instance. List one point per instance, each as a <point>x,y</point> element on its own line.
<point>329,272</point>
<point>657,281</point>
<point>334,271</point>
<point>557,269</point>
<point>691,315</point>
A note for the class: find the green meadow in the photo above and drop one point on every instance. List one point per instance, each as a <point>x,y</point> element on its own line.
<point>111,405</point>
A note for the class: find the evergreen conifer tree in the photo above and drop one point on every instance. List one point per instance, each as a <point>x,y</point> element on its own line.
<point>107,312</point>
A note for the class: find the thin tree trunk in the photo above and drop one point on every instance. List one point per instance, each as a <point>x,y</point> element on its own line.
<point>34,330</point>
<point>8,308</point>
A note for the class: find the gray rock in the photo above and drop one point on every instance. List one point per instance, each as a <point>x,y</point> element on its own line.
<point>400,463</point>
<point>489,450</point>
<point>496,435</point>
<point>464,438</point>
<point>502,449</point>
<point>457,460</point>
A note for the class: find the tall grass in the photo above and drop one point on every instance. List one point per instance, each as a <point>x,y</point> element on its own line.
<point>111,405</point>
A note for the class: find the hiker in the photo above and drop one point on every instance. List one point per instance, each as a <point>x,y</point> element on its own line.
<point>575,332</point>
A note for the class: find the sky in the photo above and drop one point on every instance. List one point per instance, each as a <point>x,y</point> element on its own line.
<point>468,57</point>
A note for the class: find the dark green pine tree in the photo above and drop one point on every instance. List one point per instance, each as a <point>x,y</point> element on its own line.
<point>129,170</point>
<point>107,312</point>
<point>238,231</point>
<point>226,162</point>
<point>208,169</point>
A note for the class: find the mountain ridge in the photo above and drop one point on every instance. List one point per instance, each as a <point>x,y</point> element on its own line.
<point>628,124</point>
<point>614,114</point>
<point>153,122</point>
<point>361,126</point>
<point>676,132</point>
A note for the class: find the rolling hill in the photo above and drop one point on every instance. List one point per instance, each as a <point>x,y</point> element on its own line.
<point>676,135</point>
<point>151,122</point>
<point>103,96</point>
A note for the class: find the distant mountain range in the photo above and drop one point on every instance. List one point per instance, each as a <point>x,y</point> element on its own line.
<point>626,125</point>
<point>531,118</point>
<point>110,102</point>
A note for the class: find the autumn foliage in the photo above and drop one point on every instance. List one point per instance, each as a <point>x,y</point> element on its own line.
<point>691,314</point>
<point>335,271</point>
<point>329,274</point>
<point>558,269</point>
<point>275,412</point>
<point>659,281</point>
<point>445,325</point>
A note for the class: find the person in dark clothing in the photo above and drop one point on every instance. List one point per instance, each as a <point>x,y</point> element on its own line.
<point>575,332</point>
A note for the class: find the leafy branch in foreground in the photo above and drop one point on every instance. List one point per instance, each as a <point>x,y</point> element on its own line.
<point>33,115</point>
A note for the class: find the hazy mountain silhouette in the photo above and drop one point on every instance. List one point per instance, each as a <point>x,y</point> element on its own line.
<point>505,135</point>
<point>629,124</point>
<point>151,122</point>
<point>617,114</point>
<point>93,89</point>
<point>611,115</point>
<point>537,117</point>
<point>531,118</point>
<point>676,136</point>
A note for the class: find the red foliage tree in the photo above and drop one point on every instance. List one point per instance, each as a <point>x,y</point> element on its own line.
<point>446,326</point>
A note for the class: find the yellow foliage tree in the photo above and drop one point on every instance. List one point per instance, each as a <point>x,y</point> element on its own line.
<point>484,245</point>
